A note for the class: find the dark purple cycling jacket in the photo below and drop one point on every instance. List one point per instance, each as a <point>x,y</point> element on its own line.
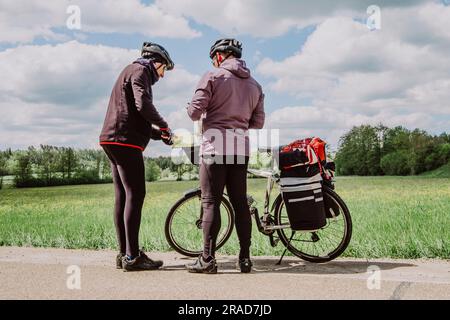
<point>131,112</point>
<point>231,102</point>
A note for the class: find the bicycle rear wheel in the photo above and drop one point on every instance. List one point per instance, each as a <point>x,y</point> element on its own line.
<point>324,244</point>
<point>183,227</point>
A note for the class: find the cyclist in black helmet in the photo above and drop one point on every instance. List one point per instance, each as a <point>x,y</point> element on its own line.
<point>157,54</point>
<point>227,46</point>
<point>232,102</point>
<point>127,129</point>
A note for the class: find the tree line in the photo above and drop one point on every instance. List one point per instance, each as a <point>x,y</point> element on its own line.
<point>378,150</point>
<point>364,150</point>
<point>53,166</point>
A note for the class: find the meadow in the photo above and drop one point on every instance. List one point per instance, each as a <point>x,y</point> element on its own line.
<point>395,217</point>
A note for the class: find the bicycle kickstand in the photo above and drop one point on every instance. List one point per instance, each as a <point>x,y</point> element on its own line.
<point>284,252</point>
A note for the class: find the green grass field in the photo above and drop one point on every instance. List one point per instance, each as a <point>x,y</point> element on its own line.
<point>397,217</point>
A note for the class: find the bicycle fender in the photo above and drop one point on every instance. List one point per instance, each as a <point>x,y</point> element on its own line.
<point>275,203</point>
<point>191,192</point>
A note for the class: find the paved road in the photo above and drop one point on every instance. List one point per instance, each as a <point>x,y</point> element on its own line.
<point>36,273</point>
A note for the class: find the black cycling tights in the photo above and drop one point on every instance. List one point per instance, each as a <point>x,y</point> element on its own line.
<point>128,174</point>
<point>213,179</point>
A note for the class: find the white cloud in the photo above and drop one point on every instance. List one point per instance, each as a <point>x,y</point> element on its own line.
<point>355,76</point>
<point>330,123</point>
<point>176,88</point>
<point>398,75</point>
<point>23,124</point>
<point>58,94</point>
<point>68,73</point>
<point>268,18</point>
<point>23,21</point>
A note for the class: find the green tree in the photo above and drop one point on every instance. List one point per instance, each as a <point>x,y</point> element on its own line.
<point>180,169</point>
<point>46,162</point>
<point>399,151</point>
<point>105,172</point>
<point>443,152</point>
<point>68,162</point>
<point>422,147</point>
<point>396,139</point>
<point>163,162</point>
<point>91,164</point>
<point>4,157</point>
<point>360,151</point>
<point>152,170</point>
<point>396,163</point>
<point>23,172</point>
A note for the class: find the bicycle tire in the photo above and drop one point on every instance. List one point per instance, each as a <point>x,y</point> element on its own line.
<point>174,244</point>
<point>308,257</point>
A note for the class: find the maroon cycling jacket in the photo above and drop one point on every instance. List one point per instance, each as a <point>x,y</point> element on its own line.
<point>131,112</point>
<point>231,102</point>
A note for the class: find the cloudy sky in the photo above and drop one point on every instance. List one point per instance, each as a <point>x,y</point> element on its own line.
<point>322,69</point>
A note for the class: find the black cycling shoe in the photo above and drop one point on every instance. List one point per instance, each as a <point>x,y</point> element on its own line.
<point>245,265</point>
<point>119,260</point>
<point>140,263</point>
<point>157,263</point>
<point>201,266</point>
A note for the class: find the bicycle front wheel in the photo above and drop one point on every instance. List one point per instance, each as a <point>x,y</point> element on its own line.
<point>183,227</point>
<point>324,244</point>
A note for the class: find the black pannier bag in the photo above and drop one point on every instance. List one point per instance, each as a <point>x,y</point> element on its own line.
<point>330,166</point>
<point>289,158</point>
<point>301,171</point>
<point>331,207</point>
<point>304,171</point>
<point>299,157</point>
<point>303,199</point>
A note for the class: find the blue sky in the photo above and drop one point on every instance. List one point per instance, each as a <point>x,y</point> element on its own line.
<point>322,70</point>
<point>193,54</point>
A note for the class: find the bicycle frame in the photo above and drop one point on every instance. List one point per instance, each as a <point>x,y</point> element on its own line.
<point>264,223</point>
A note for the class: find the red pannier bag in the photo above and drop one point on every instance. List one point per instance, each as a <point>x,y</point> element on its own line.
<point>301,185</point>
<point>304,170</point>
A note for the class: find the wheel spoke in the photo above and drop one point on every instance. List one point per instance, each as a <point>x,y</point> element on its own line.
<point>332,237</point>
<point>183,230</point>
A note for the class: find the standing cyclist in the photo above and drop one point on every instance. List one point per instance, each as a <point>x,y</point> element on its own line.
<point>230,102</point>
<point>126,132</point>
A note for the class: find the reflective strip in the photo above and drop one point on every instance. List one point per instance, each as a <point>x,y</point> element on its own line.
<point>294,181</point>
<point>317,191</point>
<point>319,199</point>
<point>302,188</point>
<point>301,199</point>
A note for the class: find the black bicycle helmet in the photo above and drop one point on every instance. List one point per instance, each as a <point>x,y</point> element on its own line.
<point>226,45</point>
<point>157,52</point>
